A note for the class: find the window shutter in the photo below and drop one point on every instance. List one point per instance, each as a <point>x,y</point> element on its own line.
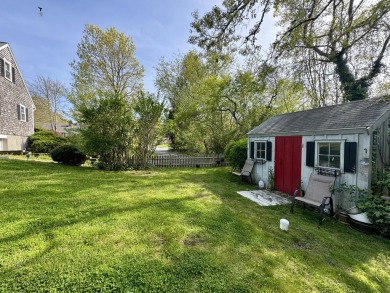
<point>269,151</point>
<point>350,149</point>
<point>13,74</point>
<point>310,153</point>
<point>252,150</point>
<point>26,115</point>
<point>18,110</point>
<point>2,67</point>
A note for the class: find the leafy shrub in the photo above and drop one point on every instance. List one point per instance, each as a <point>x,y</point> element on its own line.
<point>68,155</point>
<point>44,141</point>
<point>347,195</point>
<point>236,153</point>
<point>377,211</point>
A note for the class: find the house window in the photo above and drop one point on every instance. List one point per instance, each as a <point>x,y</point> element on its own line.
<point>7,70</point>
<point>260,150</point>
<point>22,113</point>
<point>329,154</point>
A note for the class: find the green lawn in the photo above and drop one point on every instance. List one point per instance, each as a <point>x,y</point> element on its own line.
<point>169,230</point>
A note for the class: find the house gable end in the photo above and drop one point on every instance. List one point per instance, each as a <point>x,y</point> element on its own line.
<point>16,104</point>
<point>16,72</point>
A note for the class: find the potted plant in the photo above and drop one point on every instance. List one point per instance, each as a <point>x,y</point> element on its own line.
<point>345,196</point>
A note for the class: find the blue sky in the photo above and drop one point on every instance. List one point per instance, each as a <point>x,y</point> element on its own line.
<point>45,45</point>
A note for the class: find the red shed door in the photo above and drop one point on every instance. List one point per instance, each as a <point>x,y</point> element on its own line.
<point>288,155</point>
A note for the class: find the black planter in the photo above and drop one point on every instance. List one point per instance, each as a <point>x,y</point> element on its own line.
<point>361,223</point>
<point>343,217</point>
<point>362,227</point>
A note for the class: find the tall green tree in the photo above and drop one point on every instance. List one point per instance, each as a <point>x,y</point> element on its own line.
<point>351,35</point>
<point>192,84</point>
<point>174,81</point>
<point>212,102</point>
<point>106,63</point>
<point>106,80</point>
<point>148,130</point>
<point>107,124</point>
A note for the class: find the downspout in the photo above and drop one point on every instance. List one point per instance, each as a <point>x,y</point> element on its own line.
<point>357,163</point>
<point>369,177</point>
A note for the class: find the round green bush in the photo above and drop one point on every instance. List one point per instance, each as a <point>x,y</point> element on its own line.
<point>68,155</point>
<point>44,141</point>
<point>236,153</point>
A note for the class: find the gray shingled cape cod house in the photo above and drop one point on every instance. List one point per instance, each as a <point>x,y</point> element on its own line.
<point>350,140</point>
<point>16,104</point>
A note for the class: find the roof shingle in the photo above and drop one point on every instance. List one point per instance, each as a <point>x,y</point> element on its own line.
<point>352,115</point>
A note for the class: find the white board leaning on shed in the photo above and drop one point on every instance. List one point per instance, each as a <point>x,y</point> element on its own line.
<point>264,197</point>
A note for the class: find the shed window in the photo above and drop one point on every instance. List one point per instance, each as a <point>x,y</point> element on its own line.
<point>260,150</point>
<point>329,154</point>
<point>336,155</point>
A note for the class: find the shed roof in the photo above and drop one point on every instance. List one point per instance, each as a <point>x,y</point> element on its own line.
<point>352,116</point>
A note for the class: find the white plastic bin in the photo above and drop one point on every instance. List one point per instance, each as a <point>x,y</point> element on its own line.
<point>284,224</point>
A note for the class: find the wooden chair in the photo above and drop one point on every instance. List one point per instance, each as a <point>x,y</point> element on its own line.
<point>246,170</point>
<point>318,194</point>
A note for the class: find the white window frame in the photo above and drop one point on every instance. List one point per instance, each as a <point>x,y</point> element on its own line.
<point>262,151</point>
<point>317,154</point>
<point>7,71</point>
<point>22,113</point>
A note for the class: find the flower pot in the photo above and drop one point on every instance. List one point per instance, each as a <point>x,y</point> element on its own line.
<point>342,217</point>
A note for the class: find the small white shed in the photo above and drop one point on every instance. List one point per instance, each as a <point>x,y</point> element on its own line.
<point>351,139</point>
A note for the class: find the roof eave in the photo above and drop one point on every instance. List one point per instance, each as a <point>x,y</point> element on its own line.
<point>359,130</point>
<point>380,120</point>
